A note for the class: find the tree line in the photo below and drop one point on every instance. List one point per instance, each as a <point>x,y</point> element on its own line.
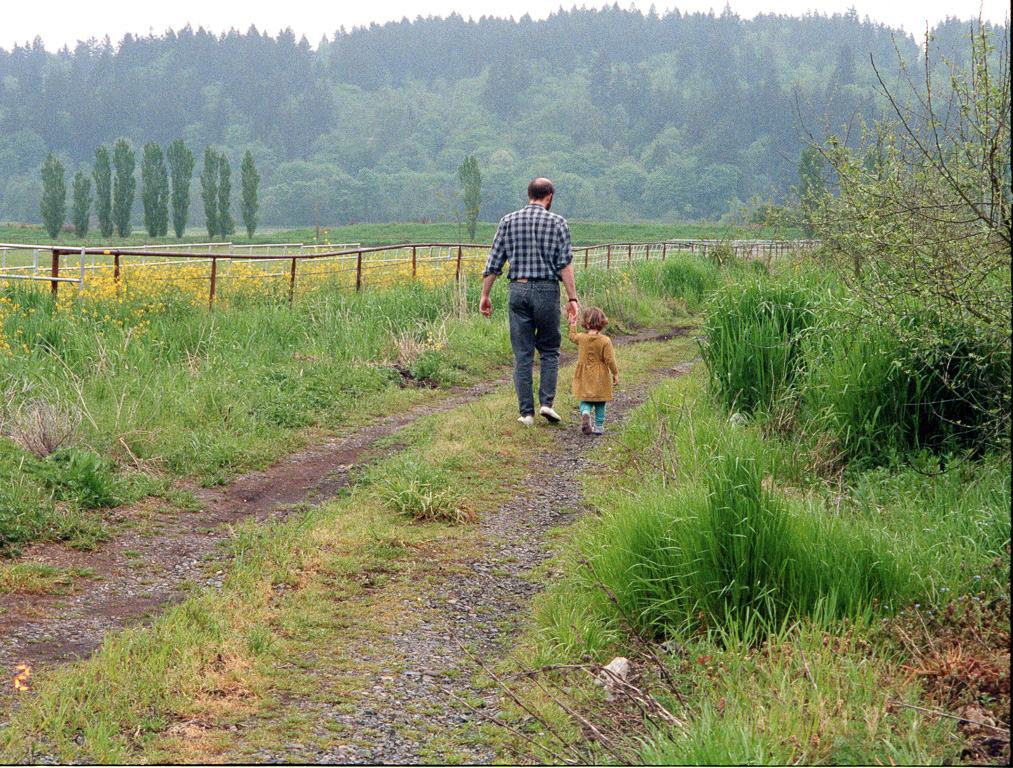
<point>165,186</point>
<point>639,116</point>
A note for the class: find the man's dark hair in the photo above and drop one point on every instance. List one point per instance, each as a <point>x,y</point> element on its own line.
<point>539,189</point>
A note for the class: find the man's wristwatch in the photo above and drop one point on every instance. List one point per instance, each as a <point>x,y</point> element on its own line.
<point>574,300</point>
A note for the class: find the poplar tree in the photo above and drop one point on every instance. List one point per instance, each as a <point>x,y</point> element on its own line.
<point>250,182</point>
<point>124,186</point>
<point>209,191</point>
<point>471,180</point>
<point>811,187</point>
<point>181,164</point>
<point>82,203</point>
<point>226,224</point>
<point>102,174</point>
<point>53,205</point>
<point>154,190</point>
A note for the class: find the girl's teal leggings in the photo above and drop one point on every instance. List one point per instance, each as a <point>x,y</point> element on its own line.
<point>597,407</point>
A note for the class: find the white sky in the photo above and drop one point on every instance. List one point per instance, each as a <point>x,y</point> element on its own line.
<point>64,22</point>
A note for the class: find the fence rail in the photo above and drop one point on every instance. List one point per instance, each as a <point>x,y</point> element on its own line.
<point>348,264</point>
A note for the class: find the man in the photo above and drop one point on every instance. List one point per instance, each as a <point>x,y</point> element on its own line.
<point>537,245</point>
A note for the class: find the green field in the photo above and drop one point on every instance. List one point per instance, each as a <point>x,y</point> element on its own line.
<point>395,233</point>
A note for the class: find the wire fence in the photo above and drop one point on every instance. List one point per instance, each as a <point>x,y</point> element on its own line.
<point>216,269</point>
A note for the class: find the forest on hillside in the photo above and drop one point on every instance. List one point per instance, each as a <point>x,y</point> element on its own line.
<point>634,116</point>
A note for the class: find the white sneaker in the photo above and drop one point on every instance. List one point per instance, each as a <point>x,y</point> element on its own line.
<point>596,430</point>
<point>527,421</point>
<point>550,414</point>
<point>585,422</point>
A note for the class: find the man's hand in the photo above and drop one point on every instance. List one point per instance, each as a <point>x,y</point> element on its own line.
<point>485,303</point>
<point>572,312</point>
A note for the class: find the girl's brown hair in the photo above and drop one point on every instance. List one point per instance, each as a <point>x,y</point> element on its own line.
<point>594,319</point>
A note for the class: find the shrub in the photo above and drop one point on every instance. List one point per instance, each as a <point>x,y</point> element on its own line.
<point>40,426</point>
<point>85,477</point>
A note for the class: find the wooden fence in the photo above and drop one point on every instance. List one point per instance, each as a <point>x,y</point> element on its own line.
<point>349,264</point>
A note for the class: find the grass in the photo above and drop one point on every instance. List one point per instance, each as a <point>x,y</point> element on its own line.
<point>200,423</point>
<point>798,607</point>
<point>799,591</point>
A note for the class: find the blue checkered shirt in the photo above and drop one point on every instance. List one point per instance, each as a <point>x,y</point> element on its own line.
<point>535,241</point>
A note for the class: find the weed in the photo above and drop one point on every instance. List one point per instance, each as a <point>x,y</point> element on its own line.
<point>85,477</point>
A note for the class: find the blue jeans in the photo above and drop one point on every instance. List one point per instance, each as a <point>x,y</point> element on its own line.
<point>534,324</point>
<point>594,405</point>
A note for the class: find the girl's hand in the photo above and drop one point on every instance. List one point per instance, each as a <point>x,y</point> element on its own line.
<point>615,378</point>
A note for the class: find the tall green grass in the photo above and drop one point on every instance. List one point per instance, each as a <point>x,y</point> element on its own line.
<point>753,341</point>
<point>883,395</point>
<point>204,391</point>
<point>790,344</point>
<point>733,552</point>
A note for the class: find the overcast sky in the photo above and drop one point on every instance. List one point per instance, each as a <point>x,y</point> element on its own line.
<point>64,22</point>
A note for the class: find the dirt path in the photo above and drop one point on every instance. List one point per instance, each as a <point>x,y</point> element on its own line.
<point>403,710</point>
<point>164,552</point>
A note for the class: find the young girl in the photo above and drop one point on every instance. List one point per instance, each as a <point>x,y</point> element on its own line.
<point>592,384</point>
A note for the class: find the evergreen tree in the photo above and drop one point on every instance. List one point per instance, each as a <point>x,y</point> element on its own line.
<point>102,173</point>
<point>226,224</point>
<point>250,182</point>
<point>53,205</point>
<point>124,185</point>
<point>209,191</point>
<point>181,164</point>
<point>82,203</point>
<point>154,190</point>
<point>471,180</point>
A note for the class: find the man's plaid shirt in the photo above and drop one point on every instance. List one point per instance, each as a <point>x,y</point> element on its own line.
<point>535,241</point>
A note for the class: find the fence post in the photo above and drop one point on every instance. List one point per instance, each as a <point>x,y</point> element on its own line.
<point>608,257</point>
<point>291,284</point>
<point>587,252</point>
<point>214,273</point>
<point>629,255</point>
<point>414,261</point>
<point>457,272</point>
<point>54,271</point>
<point>80,274</point>
<point>358,271</point>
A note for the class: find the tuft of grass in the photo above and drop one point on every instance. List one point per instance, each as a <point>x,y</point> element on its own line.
<point>732,552</point>
<point>418,490</point>
<point>753,341</point>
